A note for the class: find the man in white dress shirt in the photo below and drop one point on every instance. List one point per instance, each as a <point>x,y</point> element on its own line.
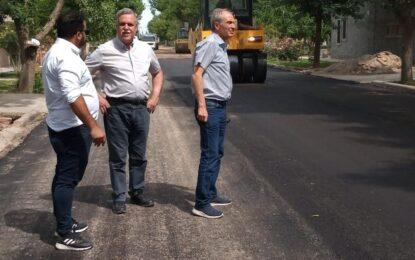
<point>73,107</point>
<point>125,64</point>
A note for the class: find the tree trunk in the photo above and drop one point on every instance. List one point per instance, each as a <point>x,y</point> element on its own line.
<point>408,52</point>
<point>27,75</point>
<point>318,18</point>
<point>27,58</point>
<point>28,53</point>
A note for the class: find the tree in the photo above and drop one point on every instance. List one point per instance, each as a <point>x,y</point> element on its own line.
<point>172,15</point>
<point>36,19</point>
<point>281,20</point>
<point>100,15</point>
<point>322,12</point>
<point>404,11</point>
<point>32,19</point>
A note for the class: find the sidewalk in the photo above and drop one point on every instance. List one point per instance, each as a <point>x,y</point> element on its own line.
<point>29,109</point>
<point>383,80</point>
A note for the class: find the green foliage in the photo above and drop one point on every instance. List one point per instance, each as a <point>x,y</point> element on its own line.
<point>9,41</point>
<point>281,20</point>
<point>100,15</point>
<point>38,87</point>
<point>173,14</point>
<point>33,14</point>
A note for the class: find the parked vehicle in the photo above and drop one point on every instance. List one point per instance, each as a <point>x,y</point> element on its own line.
<point>150,39</point>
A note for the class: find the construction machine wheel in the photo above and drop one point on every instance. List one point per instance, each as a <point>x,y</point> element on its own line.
<point>247,69</point>
<point>260,71</point>
<point>235,68</point>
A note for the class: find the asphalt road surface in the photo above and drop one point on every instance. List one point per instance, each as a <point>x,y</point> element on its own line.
<point>317,169</point>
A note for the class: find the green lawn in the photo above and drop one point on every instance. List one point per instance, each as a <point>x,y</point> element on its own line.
<point>7,85</point>
<point>12,74</point>
<point>298,64</point>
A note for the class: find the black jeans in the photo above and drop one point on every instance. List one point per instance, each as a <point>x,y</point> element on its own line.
<point>72,150</point>
<point>126,126</point>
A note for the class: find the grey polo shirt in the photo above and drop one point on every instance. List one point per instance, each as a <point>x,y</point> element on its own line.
<point>124,71</point>
<point>211,55</point>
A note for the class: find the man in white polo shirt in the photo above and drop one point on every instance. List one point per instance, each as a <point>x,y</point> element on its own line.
<point>125,64</point>
<point>73,107</point>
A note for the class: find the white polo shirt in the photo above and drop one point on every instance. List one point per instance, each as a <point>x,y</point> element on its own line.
<point>124,70</point>
<point>65,78</point>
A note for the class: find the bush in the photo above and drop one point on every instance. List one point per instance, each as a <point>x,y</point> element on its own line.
<point>285,49</point>
<point>38,87</point>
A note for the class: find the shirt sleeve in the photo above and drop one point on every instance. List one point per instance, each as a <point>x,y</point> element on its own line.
<point>69,80</point>
<point>94,61</point>
<point>154,63</point>
<point>204,54</point>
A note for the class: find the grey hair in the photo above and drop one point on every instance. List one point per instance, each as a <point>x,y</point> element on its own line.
<point>126,11</point>
<point>216,16</point>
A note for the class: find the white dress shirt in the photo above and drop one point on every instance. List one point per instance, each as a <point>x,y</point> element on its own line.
<point>65,78</point>
<point>124,70</point>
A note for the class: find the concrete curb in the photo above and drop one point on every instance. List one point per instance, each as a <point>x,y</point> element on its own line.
<point>15,134</point>
<point>390,84</point>
<point>372,82</point>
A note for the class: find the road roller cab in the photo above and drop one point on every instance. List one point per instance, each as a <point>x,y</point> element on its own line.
<point>246,49</point>
<point>181,44</point>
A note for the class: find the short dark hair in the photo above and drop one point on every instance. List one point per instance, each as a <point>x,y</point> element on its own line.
<point>69,23</point>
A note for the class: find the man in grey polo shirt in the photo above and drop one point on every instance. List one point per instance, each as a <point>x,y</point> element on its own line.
<point>124,63</point>
<point>212,85</point>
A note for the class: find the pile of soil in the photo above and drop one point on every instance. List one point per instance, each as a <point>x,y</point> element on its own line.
<point>5,122</point>
<point>384,62</point>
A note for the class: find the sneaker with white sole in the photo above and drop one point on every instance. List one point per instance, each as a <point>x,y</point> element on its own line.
<point>77,227</point>
<point>221,201</point>
<point>208,212</point>
<point>73,241</point>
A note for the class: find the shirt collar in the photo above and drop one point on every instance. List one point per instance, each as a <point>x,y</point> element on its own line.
<point>123,46</point>
<point>68,44</point>
<point>219,40</point>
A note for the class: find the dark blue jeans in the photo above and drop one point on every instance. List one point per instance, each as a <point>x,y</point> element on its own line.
<point>72,150</point>
<point>126,126</point>
<point>212,134</point>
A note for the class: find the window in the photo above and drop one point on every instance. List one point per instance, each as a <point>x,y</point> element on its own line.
<point>338,31</point>
<point>344,29</point>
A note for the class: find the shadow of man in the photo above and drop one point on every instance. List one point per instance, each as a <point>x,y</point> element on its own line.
<point>33,222</point>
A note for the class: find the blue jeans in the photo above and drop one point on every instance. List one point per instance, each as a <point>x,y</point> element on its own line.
<point>72,150</point>
<point>126,126</point>
<point>212,134</point>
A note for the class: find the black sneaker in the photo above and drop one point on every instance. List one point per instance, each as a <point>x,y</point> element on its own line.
<point>139,199</point>
<point>78,227</point>
<point>221,201</point>
<point>73,241</point>
<point>119,207</point>
<point>207,212</point>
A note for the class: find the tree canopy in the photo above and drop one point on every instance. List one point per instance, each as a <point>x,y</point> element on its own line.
<point>172,15</point>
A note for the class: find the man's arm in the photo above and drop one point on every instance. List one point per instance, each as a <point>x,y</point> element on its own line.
<point>80,109</point>
<point>94,64</point>
<point>197,80</point>
<point>157,81</point>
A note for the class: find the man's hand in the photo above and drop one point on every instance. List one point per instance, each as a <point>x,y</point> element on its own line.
<point>103,104</point>
<point>202,114</point>
<point>98,136</point>
<point>152,104</point>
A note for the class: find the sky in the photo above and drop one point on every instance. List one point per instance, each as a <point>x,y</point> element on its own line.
<point>146,17</point>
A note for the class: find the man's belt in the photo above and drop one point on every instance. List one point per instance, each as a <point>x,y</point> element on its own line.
<point>116,101</point>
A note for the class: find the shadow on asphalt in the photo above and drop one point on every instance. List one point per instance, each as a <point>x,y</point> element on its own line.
<point>33,222</point>
<point>162,193</point>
